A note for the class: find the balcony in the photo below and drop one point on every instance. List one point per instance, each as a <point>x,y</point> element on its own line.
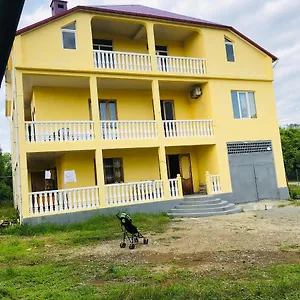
<point>59,131</point>
<point>128,130</point>
<point>188,128</point>
<point>181,65</point>
<point>76,199</point>
<point>122,61</point>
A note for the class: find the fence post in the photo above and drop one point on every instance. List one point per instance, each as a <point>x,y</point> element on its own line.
<point>180,191</point>
<point>208,183</point>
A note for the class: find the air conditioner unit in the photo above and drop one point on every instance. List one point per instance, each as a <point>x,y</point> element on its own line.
<point>196,92</point>
<point>7,76</point>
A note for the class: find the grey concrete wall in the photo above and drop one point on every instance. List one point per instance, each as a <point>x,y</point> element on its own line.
<point>284,193</point>
<point>69,218</point>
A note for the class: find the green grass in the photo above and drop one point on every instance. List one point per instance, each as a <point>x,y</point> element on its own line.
<point>97,280</point>
<point>294,190</point>
<point>7,211</point>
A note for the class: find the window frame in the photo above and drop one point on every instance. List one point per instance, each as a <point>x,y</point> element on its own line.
<point>228,41</point>
<point>248,104</point>
<point>113,165</point>
<point>64,29</point>
<point>107,102</point>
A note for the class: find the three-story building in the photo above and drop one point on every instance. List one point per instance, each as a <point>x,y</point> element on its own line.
<point>113,106</point>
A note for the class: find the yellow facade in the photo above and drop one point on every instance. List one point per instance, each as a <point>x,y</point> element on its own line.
<point>52,84</point>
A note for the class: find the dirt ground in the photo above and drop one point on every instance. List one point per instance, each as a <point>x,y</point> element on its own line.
<point>229,242</point>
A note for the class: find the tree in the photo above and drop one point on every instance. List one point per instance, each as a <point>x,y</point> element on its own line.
<point>290,140</point>
<point>6,189</point>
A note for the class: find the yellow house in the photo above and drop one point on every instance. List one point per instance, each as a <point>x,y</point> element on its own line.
<point>132,108</point>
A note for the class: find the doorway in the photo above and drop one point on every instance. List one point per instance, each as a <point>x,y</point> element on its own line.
<point>181,164</point>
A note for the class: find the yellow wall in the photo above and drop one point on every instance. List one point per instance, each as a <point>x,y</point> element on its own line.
<point>181,103</point>
<point>66,104</point>
<point>138,164</point>
<point>201,107</point>
<point>124,44</point>
<point>131,104</point>
<point>250,62</point>
<point>194,46</point>
<point>43,47</point>
<point>61,104</point>
<point>228,129</point>
<point>83,164</point>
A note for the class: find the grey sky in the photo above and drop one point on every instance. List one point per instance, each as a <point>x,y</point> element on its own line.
<point>274,24</point>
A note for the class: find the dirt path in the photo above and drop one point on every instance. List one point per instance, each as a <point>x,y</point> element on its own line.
<point>226,242</point>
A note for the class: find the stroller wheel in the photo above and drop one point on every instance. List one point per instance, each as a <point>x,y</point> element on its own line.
<point>145,241</point>
<point>136,239</point>
<point>131,246</point>
<point>122,245</point>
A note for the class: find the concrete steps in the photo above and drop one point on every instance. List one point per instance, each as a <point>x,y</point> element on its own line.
<point>199,206</point>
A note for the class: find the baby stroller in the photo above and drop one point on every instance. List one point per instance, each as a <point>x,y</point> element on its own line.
<point>129,229</point>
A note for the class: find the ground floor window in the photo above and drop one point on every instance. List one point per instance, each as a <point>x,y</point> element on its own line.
<point>113,170</point>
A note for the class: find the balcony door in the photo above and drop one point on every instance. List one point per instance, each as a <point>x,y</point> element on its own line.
<point>167,110</point>
<point>106,59</point>
<point>108,112</point>
<point>161,61</point>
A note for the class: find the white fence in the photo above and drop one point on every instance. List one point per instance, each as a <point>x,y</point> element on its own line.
<point>186,65</point>
<point>128,130</point>
<point>122,61</point>
<point>133,192</point>
<point>188,128</point>
<point>63,200</point>
<point>59,131</point>
<point>215,184</point>
<point>174,189</point>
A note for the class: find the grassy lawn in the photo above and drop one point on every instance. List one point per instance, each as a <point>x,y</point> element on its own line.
<point>37,263</point>
<point>294,190</point>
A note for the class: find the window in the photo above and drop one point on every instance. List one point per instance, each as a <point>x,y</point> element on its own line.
<point>69,36</point>
<point>108,110</point>
<point>167,109</point>
<point>113,170</point>
<point>243,104</point>
<point>229,50</point>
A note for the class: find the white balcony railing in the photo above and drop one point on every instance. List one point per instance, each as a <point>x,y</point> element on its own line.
<point>133,192</point>
<point>63,200</point>
<point>188,128</point>
<point>174,189</point>
<point>183,65</point>
<point>59,131</point>
<point>128,130</point>
<point>215,184</point>
<point>122,61</point>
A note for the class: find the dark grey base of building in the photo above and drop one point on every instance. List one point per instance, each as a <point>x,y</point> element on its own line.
<point>150,208</point>
<point>81,216</point>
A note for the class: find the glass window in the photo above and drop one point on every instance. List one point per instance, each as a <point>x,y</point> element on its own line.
<point>69,36</point>
<point>113,170</point>
<point>243,104</point>
<point>108,110</point>
<point>229,50</point>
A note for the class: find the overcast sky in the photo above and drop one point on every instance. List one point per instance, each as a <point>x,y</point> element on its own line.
<point>274,24</point>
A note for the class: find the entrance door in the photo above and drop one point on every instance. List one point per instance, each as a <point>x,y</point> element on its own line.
<point>105,60</point>
<point>180,164</point>
<point>161,61</point>
<point>186,174</point>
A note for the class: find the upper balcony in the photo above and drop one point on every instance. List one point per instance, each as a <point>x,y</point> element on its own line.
<point>128,114</point>
<point>123,47</point>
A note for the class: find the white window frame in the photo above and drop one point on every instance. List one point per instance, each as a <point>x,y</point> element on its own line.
<point>229,42</point>
<point>63,29</point>
<point>248,104</point>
